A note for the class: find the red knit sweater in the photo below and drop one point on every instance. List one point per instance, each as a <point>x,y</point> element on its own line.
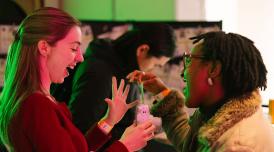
<point>44,126</point>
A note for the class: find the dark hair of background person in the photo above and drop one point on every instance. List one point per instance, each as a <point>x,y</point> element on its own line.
<point>159,37</point>
<point>22,69</point>
<point>243,69</point>
<point>10,12</point>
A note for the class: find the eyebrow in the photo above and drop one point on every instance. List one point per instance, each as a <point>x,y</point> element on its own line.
<point>77,42</point>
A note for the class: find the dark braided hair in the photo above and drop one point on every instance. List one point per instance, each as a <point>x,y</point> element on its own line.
<point>243,69</point>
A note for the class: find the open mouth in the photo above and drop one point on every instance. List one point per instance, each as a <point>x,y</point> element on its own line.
<point>69,70</point>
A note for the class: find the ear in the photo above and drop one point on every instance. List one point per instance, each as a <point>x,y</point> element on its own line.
<point>214,69</point>
<point>142,50</point>
<point>43,47</point>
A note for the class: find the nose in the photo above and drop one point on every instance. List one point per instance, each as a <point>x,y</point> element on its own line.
<point>79,56</point>
<point>182,73</point>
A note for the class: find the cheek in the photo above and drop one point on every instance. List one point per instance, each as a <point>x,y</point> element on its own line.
<point>147,65</point>
<point>154,63</point>
<point>195,88</point>
<point>57,68</point>
<point>150,67</point>
<point>55,71</point>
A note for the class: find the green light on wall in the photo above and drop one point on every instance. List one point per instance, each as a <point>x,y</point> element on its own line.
<point>121,10</point>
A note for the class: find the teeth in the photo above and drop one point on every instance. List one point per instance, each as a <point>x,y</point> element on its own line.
<point>71,67</point>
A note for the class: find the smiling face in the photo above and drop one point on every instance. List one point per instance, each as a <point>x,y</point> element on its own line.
<point>64,54</point>
<point>195,77</point>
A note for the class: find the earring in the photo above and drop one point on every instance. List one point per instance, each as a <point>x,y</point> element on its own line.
<point>210,82</point>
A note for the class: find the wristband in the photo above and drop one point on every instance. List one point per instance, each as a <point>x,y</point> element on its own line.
<point>160,96</point>
<point>104,126</point>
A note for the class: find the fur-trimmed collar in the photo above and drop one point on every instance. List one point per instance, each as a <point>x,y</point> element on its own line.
<point>228,115</point>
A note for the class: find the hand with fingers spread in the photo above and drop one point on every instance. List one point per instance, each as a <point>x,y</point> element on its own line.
<point>151,82</point>
<point>117,106</point>
<point>135,136</point>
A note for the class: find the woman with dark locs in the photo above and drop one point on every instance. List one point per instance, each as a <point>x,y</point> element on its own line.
<point>223,74</point>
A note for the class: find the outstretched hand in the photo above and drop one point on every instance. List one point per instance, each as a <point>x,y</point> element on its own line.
<point>151,82</point>
<point>117,106</point>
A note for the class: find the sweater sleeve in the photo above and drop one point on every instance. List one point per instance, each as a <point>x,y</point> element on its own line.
<point>48,128</point>
<point>96,138</point>
<point>174,118</point>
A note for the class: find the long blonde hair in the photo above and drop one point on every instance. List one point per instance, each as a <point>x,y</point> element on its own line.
<point>22,76</point>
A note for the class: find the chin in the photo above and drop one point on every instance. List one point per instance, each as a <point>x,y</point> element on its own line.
<point>61,81</point>
<point>58,81</point>
<point>189,104</point>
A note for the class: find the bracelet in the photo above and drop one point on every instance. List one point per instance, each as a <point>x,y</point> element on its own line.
<point>104,126</point>
<point>160,96</point>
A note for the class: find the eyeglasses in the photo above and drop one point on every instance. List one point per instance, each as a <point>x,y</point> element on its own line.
<point>187,58</point>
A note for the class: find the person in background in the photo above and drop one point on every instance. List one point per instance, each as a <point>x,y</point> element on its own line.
<point>223,74</point>
<point>46,44</point>
<point>144,47</point>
